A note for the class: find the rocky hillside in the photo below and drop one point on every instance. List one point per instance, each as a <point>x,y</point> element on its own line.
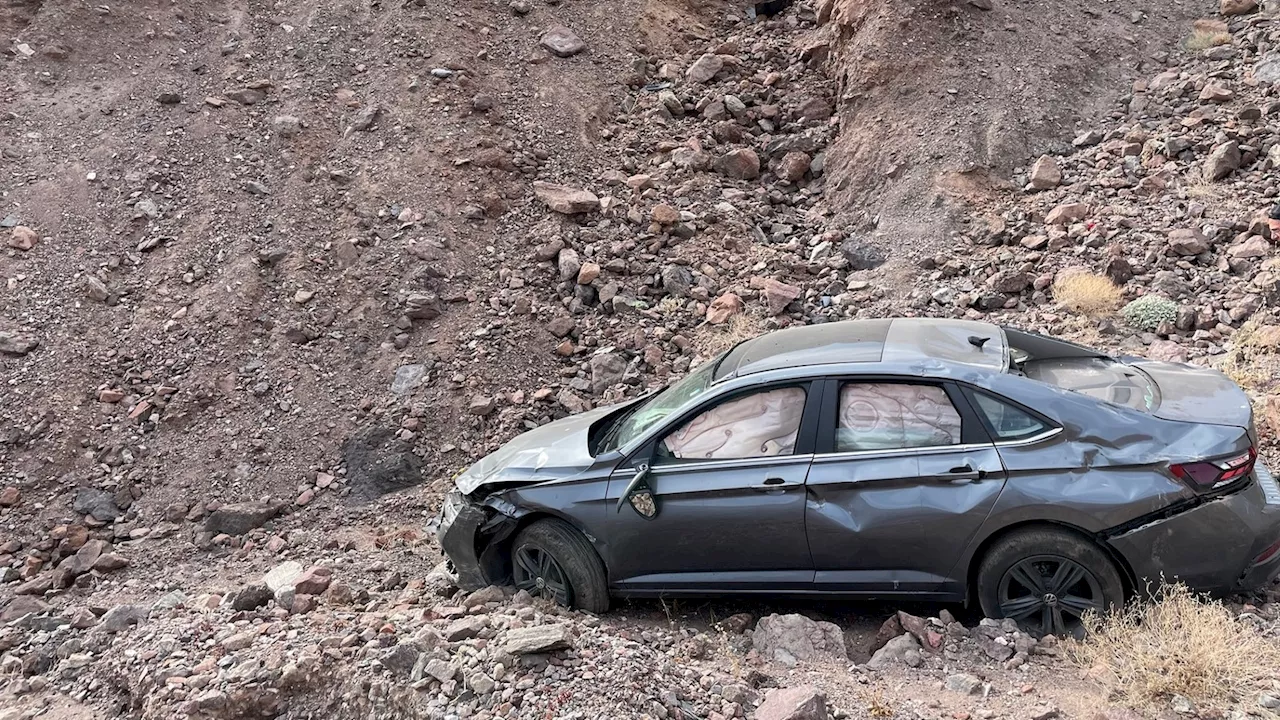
<point>272,274</point>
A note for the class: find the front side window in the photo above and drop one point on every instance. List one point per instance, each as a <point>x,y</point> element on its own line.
<point>763,424</point>
<point>892,416</point>
<point>1007,422</point>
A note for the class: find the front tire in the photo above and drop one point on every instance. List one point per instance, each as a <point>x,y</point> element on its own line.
<point>1048,580</point>
<point>551,559</point>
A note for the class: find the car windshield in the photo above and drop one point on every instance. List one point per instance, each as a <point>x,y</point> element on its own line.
<point>632,424</point>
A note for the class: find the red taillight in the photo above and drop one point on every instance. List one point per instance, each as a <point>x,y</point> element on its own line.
<point>1267,554</point>
<point>1210,474</point>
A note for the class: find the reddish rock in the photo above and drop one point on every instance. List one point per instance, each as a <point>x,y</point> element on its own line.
<point>314,581</point>
<point>723,308</point>
<point>110,395</point>
<point>1167,351</point>
<point>743,164</point>
<point>798,703</point>
<point>10,497</point>
<point>1067,213</point>
<point>588,272</point>
<point>23,238</point>
<point>778,295</point>
<point>794,166</point>
<point>664,214</point>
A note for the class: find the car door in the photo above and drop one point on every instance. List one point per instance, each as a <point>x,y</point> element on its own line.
<point>903,476</point>
<point>727,483</point>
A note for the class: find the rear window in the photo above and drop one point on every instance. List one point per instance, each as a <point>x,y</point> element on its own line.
<point>1006,421</point>
<point>1101,378</point>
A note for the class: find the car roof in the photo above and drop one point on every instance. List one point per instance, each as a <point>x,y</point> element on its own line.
<point>905,340</point>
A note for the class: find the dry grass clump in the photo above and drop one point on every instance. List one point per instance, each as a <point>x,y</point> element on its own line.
<point>1206,34</point>
<point>1177,644</point>
<point>1253,358</point>
<point>715,339</point>
<point>1086,293</point>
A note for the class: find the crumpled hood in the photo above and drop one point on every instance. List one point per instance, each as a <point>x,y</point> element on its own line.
<point>555,450</point>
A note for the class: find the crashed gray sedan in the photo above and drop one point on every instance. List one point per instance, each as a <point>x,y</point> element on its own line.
<point>931,459</point>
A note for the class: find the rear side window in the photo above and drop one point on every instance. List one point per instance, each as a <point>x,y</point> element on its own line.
<point>1007,422</point>
<point>763,424</point>
<point>892,416</point>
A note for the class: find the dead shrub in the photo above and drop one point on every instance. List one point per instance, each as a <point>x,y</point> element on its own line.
<point>713,339</point>
<point>1177,644</point>
<point>1206,33</point>
<point>1086,293</point>
<point>1252,360</point>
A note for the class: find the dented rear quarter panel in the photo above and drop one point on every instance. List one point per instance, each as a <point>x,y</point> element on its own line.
<point>1108,468</point>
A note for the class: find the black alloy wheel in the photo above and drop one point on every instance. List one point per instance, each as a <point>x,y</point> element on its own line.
<point>1048,579</point>
<point>1050,595</point>
<point>538,574</point>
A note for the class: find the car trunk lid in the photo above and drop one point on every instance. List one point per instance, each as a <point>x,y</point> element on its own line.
<point>1196,394</point>
<point>1170,391</point>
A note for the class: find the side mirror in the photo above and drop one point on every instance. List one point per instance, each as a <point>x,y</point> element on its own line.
<point>643,503</point>
<point>638,494</point>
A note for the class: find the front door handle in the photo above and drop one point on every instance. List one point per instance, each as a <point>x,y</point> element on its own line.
<point>773,483</point>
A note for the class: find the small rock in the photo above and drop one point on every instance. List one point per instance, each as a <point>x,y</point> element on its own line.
<point>23,238</point>
<point>798,703</point>
<point>562,41</point>
<point>1188,241</point>
<point>664,214</point>
<point>723,308</point>
<point>1045,174</point>
<point>15,344</point>
<point>704,68</point>
<point>904,649</point>
<point>536,639</point>
<point>743,164</point>
<point>481,405</point>
<point>10,496</point>
<point>607,370</point>
<point>314,581</point>
<point>121,617</point>
<point>1223,160</point>
<point>1067,213</point>
<point>565,199</point>
<point>251,597</point>
<point>1237,7</point>
<point>240,518</point>
<point>282,575</point>
<point>964,684</point>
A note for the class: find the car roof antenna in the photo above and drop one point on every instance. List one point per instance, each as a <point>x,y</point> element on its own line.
<point>977,341</point>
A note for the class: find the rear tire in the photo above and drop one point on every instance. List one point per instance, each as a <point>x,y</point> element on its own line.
<point>551,559</point>
<point>1047,579</point>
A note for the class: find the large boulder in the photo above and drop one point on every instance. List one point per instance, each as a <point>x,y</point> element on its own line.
<point>788,638</point>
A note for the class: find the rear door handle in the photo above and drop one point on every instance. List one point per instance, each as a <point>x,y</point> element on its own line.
<point>964,472</point>
<point>773,483</point>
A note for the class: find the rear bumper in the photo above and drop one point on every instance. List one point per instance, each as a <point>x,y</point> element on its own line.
<point>1225,545</point>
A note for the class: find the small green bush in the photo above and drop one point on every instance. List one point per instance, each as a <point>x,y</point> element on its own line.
<point>1148,311</point>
